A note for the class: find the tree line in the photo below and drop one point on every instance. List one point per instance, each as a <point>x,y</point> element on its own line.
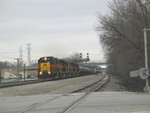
<point>121,35</point>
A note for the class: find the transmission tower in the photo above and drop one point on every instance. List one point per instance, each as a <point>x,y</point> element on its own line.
<point>29,57</point>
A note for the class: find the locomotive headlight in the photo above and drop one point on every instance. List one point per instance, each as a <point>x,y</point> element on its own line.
<point>40,73</point>
<point>49,72</point>
<point>45,58</point>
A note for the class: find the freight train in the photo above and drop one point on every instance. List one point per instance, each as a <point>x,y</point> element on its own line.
<point>52,67</point>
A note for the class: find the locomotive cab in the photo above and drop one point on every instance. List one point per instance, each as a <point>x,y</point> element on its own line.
<point>44,70</point>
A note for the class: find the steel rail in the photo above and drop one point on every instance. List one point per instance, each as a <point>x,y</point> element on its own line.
<point>19,83</point>
<point>89,86</point>
<point>68,108</point>
<point>12,84</point>
<point>37,105</point>
<point>75,103</point>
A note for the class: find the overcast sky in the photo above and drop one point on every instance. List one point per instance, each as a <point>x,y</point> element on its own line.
<point>53,27</point>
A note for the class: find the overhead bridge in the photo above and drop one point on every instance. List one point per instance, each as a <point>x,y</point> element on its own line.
<point>94,64</point>
<point>101,66</point>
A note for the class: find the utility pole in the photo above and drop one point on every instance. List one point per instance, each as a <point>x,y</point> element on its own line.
<point>0,73</point>
<point>29,57</point>
<point>146,59</point>
<point>17,67</point>
<point>24,71</point>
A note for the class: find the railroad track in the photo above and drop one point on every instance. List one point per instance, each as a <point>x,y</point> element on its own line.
<point>19,83</point>
<point>99,84</point>
<point>94,87</point>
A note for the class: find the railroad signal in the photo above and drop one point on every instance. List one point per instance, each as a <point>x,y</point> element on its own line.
<point>87,55</point>
<point>88,59</point>
<point>80,55</point>
<point>84,59</point>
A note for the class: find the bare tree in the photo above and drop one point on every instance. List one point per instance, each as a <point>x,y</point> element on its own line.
<point>122,38</point>
<point>75,57</point>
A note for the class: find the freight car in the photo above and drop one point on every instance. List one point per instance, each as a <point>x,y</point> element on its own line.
<point>52,67</point>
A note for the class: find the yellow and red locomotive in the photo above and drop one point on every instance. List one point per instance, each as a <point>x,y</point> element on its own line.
<point>51,67</point>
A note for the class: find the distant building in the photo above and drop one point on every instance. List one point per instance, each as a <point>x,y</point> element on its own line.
<point>7,74</point>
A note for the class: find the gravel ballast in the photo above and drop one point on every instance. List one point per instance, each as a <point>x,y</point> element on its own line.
<point>64,86</point>
<point>113,86</point>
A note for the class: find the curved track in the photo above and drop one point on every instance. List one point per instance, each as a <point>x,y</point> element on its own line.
<point>91,88</point>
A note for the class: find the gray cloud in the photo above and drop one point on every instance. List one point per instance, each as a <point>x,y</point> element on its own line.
<point>49,25</point>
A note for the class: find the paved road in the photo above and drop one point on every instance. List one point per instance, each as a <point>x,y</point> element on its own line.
<point>102,102</point>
